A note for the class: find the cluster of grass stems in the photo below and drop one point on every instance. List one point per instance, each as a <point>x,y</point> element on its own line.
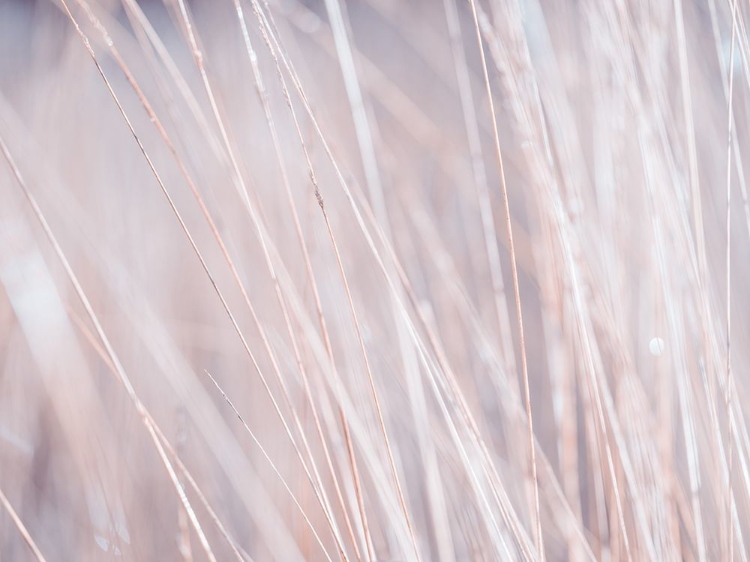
<point>371,280</point>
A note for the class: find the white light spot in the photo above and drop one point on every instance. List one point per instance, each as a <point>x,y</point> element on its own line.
<point>102,542</point>
<point>656,346</point>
